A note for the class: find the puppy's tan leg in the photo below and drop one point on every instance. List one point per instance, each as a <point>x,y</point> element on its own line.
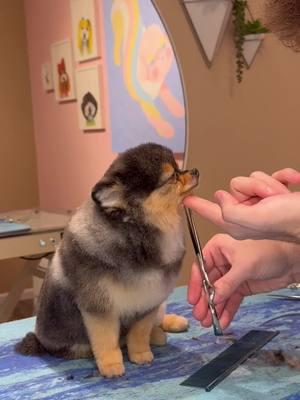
<point>104,337</point>
<point>174,323</point>
<point>158,336</point>
<point>138,339</point>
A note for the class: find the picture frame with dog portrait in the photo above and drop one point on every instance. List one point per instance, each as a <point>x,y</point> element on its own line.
<point>89,104</point>
<point>63,71</point>
<point>84,30</point>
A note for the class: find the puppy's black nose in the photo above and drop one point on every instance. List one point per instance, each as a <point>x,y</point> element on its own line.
<point>195,172</point>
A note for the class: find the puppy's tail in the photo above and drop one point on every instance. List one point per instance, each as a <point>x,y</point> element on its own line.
<point>30,346</point>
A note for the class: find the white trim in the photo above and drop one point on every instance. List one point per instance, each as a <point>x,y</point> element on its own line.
<point>255,36</point>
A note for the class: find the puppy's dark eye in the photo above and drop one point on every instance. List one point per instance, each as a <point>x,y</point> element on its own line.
<point>174,177</point>
<point>171,179</point>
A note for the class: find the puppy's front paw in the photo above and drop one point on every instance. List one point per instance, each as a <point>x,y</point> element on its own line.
<point>141,358</point>
<point>174,323</point>
<point>112,370</point>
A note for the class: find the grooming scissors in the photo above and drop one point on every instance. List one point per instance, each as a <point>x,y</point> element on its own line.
<point>285,297</point>
<point>208,287</point>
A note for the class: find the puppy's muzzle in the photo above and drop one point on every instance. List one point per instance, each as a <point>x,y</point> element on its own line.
<point>194,172</point>
<point>189,180</point>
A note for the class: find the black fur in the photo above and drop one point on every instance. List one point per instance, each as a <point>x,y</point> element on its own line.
<point>138,170</point>
<point>30,345</point>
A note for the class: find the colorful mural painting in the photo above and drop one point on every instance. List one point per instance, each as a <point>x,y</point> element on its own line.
<point>145,92</point>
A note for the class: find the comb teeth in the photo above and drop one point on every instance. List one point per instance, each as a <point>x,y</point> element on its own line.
<point>212,373</point>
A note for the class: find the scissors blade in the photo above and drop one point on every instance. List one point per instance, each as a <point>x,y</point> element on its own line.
<point>209,288</point>
<point>285,297</point>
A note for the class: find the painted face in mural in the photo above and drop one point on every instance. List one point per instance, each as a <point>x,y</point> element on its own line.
<point>155,57</point>
<point>89,108</point>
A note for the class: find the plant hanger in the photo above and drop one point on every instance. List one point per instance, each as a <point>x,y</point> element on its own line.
<point>242,28</point>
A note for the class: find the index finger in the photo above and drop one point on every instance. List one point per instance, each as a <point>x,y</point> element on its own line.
<point>287,175</point>
<point>275,184</point>
<point>244,188</point>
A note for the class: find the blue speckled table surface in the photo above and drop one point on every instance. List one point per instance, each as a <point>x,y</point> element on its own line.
<point>52,378</point>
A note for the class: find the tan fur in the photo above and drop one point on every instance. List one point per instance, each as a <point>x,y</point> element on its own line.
<point>168,199</point>
<point>158,337</point>
<point>187,181</point>
<point>161,313</point>
<point>168,171</point>
<point>138,339</point>
<point>104,338</point>
<point>157,202</point>
<point>174,323</point>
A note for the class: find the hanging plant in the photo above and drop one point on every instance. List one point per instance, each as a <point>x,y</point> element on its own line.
<point>243,27</point>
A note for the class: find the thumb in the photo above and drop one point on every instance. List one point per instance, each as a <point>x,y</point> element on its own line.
<point>228,284</point>
<point>228,204</point>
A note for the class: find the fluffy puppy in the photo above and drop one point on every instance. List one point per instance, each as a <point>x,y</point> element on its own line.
<point>116,265</point>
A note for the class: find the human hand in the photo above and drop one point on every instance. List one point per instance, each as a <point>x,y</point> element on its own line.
<point>238,269</point>
<point>258,207</point>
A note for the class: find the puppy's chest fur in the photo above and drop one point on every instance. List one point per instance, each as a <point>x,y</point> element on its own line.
<point>172,244</point>
<point>139,296</point>
<point>117,284</point>
<point>150,287</point>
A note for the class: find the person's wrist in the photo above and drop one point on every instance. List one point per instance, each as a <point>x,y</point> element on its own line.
<point>293,221</point>
<point>292,251</point>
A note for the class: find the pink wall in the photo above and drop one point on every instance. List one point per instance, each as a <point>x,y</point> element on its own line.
<point>69,161</point>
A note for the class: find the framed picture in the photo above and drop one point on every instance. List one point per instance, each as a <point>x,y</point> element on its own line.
<point>84,30</point>
<point>47,80</point>
<point>89,98</point>
<point>62,70</point>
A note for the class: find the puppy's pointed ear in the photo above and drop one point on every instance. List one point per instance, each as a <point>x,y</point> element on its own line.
<point>108,195</point>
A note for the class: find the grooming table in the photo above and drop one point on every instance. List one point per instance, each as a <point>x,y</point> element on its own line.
<point>52,378</point>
